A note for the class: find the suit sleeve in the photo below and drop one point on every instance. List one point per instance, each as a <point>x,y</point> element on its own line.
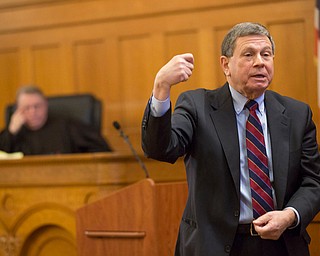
<point>168,137</point>
<point>306,199</point>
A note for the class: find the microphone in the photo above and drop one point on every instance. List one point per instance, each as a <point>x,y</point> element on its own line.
<point>126,139</point>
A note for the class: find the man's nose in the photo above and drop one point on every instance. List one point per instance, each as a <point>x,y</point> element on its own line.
<point>258,60</point>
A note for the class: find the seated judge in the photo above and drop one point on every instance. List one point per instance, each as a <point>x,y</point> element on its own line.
<point>33,131</point>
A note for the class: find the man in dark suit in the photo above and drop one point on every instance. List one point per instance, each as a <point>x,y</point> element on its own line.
<point>209,128</point>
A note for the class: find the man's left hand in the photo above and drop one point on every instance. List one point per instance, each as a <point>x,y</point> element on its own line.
<point>272,224</point>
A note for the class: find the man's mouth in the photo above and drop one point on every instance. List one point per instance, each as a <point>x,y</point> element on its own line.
<point>259,76</point>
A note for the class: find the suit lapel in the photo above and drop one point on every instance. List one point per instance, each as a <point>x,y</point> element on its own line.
<point>224,121</point>
<point>278,125</point>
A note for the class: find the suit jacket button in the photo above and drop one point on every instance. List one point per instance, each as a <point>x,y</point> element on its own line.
<point>236,213</point>
<point>227,248</point>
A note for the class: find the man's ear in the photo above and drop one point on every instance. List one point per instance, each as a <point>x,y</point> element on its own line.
<point>224,63</point>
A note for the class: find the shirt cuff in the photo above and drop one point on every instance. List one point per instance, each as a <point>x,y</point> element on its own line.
<point>297,215</point>
<point>159,107</point>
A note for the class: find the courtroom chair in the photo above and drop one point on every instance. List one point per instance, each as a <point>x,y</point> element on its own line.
<point>82,107</point>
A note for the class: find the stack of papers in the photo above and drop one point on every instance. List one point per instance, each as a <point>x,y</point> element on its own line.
<point>15,155</point>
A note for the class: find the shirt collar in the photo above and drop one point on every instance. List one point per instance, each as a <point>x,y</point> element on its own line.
<point>239,101</point>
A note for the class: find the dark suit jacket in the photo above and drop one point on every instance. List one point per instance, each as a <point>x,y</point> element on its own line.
<point>203,128</point>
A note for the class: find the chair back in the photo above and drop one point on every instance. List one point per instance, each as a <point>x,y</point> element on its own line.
<point>82,107</point>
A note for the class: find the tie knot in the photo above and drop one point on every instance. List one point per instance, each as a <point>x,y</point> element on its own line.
<point>252,105</point>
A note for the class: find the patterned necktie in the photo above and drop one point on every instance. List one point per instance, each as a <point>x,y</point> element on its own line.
<point>261,191</point>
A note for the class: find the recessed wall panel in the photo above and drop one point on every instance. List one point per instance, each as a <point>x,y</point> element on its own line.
<point>47,65</point>
<point>9,77</point>
<point>290,61</point>
<point>180,42</point>
<point>90,65</point>
<point>136,80</point>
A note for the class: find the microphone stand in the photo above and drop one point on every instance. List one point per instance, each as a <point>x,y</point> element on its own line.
<point>126,139</point>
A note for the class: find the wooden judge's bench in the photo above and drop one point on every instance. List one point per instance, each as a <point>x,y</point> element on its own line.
<point>93,205</point>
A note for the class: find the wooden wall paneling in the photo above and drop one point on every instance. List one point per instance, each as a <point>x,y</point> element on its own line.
<point>207,58</point>
<point>47,68</point>
<point>311,68</point>
<point>20,3</point>
<point>178,42</point>
<point>96,69</point>
<point>90,65</point>
<point>127,63</point>
<point>158,52</point>
<point>9,71</point>
<point>9,78</point>
<point>111,92</point>
<point>220,33</point>
<point>67,80</point>
<point>290,63</point>
<point>135,77</point>
<point>152,58</point>
<point>314,232</point>
<point>76,12</point>
<point>26,67</point>
<point>147,63</point>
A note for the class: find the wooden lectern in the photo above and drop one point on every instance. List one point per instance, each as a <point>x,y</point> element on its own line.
<point>141,219</point>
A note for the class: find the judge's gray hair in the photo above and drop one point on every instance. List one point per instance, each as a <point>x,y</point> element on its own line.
<point>29,89</point>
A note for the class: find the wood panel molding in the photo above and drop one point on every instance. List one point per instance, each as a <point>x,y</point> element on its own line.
<point>72,13</point>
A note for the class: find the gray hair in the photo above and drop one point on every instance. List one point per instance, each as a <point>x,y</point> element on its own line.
<point>240,30</point>
<point>29,89</point>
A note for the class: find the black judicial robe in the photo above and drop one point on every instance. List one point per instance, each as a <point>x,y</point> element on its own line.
<point>57,136</point>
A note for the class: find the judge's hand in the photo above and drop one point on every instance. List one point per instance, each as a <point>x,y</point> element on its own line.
<point>177,70</point>
<point>17,121</point>
<point>272,224</point>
